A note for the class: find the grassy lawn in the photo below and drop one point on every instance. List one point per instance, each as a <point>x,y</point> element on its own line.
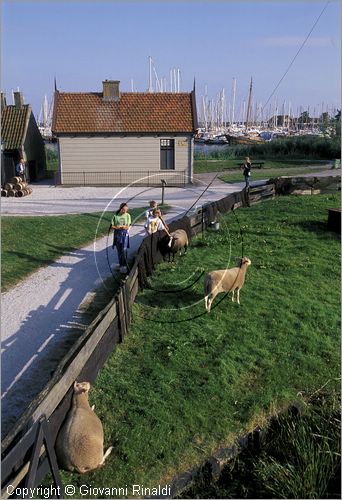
<point>266,173</point>
<point>29,243</point>
<point>206,165</point>
<point>186,382</point>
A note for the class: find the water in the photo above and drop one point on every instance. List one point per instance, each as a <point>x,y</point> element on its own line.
<point>207,149</point>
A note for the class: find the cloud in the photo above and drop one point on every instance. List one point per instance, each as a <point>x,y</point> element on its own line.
<point>296,41</point>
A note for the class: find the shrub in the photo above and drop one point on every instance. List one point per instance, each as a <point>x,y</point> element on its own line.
<point>297,147</point>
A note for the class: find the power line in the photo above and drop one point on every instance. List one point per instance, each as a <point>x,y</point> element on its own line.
<point>295,57</point>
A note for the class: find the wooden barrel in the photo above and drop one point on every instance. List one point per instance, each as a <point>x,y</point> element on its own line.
<point>11,192</point>
<point>29,190</point>
<point>20,194</point>
<point>19,186</point>
<point>4,192</point>
<point>8,186</point>
<point>15,180</point>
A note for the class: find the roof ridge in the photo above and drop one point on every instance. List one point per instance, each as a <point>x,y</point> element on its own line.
<point>128,92</point>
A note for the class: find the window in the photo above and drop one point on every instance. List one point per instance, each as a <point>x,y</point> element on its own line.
<point>167,154</point>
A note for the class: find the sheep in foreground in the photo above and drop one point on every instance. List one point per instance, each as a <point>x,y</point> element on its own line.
<point>79,445</point>
<point>225,280</point>
<point>178,241</point>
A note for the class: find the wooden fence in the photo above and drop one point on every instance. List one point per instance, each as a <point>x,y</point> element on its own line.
<point>28,449</point>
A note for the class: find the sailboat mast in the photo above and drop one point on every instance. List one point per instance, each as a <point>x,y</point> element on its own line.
<point>150,87</point>
<point>233,103</point>
<point>249,104</point>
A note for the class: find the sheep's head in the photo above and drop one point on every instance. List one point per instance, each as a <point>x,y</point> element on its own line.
<point>80,387</point>
<point>245,261</point>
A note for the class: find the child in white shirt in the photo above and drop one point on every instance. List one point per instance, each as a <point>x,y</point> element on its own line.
<point>154,223</point>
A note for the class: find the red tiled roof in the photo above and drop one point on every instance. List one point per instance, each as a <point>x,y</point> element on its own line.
<point>134,112</point>
<point>14,125</point>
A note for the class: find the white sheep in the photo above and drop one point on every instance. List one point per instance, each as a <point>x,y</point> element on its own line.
<point>179,239</point>
<point>79,445</point>
<point>225,280</point>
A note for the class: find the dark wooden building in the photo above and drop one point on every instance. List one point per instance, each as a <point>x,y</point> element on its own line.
<point>20,138</point>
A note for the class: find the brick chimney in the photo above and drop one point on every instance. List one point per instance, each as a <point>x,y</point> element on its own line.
<point>18,99</point>
<point>111,90</point>
<point>3,100</point>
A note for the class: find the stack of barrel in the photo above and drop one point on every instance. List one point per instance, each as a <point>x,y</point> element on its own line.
<point>16,187</point>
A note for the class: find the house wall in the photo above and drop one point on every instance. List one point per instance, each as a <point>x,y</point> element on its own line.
<point>34,150</point>
<point>122,160</point>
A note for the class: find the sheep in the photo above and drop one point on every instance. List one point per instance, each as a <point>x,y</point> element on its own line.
<point>178,239</point>
<point>79,445</point>
<point>225,280</point>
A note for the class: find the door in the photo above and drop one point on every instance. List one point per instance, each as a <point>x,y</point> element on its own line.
<point>167,154</point>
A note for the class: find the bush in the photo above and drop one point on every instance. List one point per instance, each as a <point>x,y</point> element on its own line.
<point>307,147</point>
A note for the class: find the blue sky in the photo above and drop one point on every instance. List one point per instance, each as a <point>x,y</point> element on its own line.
<point>85,42</point>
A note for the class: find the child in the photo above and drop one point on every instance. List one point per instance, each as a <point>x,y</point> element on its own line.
<point>153,205</point>
<point>154,223</point>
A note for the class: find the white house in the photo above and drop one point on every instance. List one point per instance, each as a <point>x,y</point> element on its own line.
<point>114,138</point>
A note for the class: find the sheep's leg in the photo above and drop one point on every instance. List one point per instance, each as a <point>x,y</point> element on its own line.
<point>206,302</point>
<point>233,300</point>
<point>238,296</point>
<point>211,300</point>
<point>93,407</point>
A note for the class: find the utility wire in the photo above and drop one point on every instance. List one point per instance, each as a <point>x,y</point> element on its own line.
<point>298,51</point>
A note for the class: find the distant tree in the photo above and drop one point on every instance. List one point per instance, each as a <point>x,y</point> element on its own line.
<point>324,122</point>
<point>304,118</point>
<point>337,123</point>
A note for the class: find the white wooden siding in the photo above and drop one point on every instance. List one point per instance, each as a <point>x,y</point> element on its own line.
<point>113,154</point>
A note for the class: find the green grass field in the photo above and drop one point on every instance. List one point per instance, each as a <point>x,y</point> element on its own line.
<point>185,382</point>
<point>29,243</point>
<point>211,165</point>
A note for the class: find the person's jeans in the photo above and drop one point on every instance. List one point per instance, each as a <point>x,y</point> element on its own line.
<point>120,247</point>
<point>247,181</point>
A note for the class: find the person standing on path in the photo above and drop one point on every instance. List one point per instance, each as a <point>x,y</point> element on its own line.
<point>246,167</point>
<point>121,223</point>
<point>20,169</point>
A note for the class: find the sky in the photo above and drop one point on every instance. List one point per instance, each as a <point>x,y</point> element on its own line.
<point>82,43</point>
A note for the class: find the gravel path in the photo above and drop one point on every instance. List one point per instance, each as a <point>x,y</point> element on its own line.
<point>39,313</point>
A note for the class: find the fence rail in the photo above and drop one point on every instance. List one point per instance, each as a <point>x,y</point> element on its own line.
<point>91,350</point>
<point>122,178</point>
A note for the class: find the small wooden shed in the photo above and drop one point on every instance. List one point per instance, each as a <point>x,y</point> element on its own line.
<point>114,138</point>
